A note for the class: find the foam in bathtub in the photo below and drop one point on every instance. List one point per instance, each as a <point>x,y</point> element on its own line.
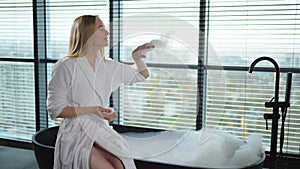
<point>205,148</point>
<point>253,147</point>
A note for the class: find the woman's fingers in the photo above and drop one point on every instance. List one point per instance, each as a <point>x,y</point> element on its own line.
<point>146,46</point>
<point>142,47</point>
<point>108,113</point>
<point>138,52</point>
<point>110,117</point>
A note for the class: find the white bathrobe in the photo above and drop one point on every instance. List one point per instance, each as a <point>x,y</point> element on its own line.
<point>75,83</point>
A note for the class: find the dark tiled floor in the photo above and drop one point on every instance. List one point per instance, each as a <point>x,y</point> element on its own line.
<point>16,158</point>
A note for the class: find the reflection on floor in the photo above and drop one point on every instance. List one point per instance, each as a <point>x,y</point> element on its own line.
<point>16,158</point>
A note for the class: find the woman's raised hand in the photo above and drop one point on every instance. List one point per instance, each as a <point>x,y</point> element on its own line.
<point>139,51</point>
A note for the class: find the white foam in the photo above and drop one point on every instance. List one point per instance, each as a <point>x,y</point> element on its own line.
<point>157,43</point>
<point>158,47</point>
<point>204,148</point>
<point>248,153</point>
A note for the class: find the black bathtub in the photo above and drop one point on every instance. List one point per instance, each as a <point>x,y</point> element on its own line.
<point>44,141</point>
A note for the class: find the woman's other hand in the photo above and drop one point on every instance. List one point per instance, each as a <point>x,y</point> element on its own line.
<point>107,114</point>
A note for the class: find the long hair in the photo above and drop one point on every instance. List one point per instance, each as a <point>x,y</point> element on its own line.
<point>82,30</point>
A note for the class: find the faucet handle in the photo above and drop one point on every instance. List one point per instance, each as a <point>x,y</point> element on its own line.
<point>266,117</point>
<point>270,116</point>
<point>269,103</point>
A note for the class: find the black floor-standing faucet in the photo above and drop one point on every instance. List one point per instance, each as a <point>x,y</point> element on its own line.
<point>275,105</point>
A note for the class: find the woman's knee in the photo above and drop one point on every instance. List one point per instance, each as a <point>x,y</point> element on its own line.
<point>98,161</point>
<point>117,163</point>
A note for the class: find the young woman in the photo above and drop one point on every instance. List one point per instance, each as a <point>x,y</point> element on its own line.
<point>79,91</point>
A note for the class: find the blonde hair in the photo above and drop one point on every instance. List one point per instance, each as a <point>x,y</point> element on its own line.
<point>82,30</point>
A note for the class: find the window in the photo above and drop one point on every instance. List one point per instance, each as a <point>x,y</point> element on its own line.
<point>16,29</point>
<point>17,94</point>
<point>60,16</point>
<point>238,33</point>
<point>168,99</point>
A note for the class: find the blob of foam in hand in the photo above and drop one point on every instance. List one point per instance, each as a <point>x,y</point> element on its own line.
<point>157,43</point>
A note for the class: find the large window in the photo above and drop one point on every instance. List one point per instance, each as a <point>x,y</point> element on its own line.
<point>199,68</point>
<point>60,16</point>
<point>238,33</point>
<point>168,99</point>
<point>17,94</point>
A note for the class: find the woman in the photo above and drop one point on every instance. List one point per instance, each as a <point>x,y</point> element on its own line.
<point>79,91</point>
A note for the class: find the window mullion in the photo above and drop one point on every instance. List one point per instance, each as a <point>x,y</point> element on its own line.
<point>40,69</point>
<point>201,97</point>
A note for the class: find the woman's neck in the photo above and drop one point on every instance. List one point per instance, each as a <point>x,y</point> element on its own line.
<point>92,57</point>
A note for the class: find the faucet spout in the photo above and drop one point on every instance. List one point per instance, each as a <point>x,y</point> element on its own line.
<point>251,68</point>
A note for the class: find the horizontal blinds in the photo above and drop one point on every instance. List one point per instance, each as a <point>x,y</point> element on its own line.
<point>246,30</point>
<point>239,32</point>
<point>17,94</point>
<point>241,109</point>
<point>174,23</point>
<point>16,29</point>
<point>17,100</point>
<point>168,99</point>
<point>60,16</point>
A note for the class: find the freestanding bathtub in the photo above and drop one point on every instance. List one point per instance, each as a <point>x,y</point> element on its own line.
<point>44,141</point>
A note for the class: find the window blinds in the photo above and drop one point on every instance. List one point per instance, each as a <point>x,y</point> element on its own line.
<point>16,29</point>
<point>60,16</point>
<point>17,102</point>
<point>239,32</point>
<point>168,99</point>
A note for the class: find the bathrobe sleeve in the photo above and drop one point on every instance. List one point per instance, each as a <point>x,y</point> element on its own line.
<point>124,73</point>
<point>58,89</point>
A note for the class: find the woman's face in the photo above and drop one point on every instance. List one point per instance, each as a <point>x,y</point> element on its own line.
<point>101,34</point>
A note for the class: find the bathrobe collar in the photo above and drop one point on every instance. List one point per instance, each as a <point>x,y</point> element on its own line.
<point>86,68</point>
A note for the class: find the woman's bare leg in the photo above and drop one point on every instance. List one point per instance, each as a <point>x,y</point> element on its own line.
<point>98,161</point>
<point>116,162</point>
